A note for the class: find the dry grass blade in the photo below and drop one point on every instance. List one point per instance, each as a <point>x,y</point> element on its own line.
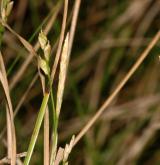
<point>59,49</point>
<point>62,75</point>
<point>10,121</point>
<point>119,87</point>
<point>21,101</point>
<point>61,84</point>
<point>25,43</point>
<point>73,24</point>
<point>59,156</point>
<point>53,71</point>
<point>7,161</point>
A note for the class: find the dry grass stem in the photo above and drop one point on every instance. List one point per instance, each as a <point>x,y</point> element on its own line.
<point>118,88</point>
<point>62,75</point>
<point>10,119</point>
<point>59,49</point>
<point>25,43</point>
<point>21,101</point>
<point>6,160</point>
<point>73,24</point>
<point>59,156</point>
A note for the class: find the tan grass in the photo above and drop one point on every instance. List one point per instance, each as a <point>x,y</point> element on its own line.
<point>118,88</point>
<point>62,75</point>
<point>59,49</point>
<point>6,160</point>
<point>21,101</point>
<point>73,24</point>
<point>11,137</point>
<point>25,43</point>
<point>56,60</point>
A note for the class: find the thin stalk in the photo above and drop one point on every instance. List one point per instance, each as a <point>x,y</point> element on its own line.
<point>55,124</point>
<point>1,33</point>
<point>139,61</point>
<point>37,128</point>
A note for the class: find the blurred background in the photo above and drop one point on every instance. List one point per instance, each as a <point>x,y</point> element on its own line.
<point>110,36</point>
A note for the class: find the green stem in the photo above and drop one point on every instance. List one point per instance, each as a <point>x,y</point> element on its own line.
<point>54,147</point>
<point>2,29</point>
<point>52,101</point>
<point>55,126</point>
<point>36,128</point>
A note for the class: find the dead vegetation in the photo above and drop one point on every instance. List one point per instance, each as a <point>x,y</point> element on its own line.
<point>88,71</point>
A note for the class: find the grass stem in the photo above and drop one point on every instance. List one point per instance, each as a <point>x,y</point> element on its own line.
<point>36,128</point>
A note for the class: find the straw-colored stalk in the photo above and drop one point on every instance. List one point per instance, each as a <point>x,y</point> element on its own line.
<point>62,75</point>
<point>60,91</point>
<point>11,137</point>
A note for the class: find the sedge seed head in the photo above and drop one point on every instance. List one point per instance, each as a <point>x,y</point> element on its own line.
<point>42,39</point>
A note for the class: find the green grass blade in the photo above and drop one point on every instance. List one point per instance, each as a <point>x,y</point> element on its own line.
<point>36,128</point>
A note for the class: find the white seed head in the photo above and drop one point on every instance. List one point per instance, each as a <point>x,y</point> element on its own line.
<point>3,14</point>
<point>68,148</point>
<point>47,51</point>
<point>43,65</point>
<point>66,153</point>
<point>45,45</point>
<point>9,8</point>
<point>42,39</point>
<point>6,8</point>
